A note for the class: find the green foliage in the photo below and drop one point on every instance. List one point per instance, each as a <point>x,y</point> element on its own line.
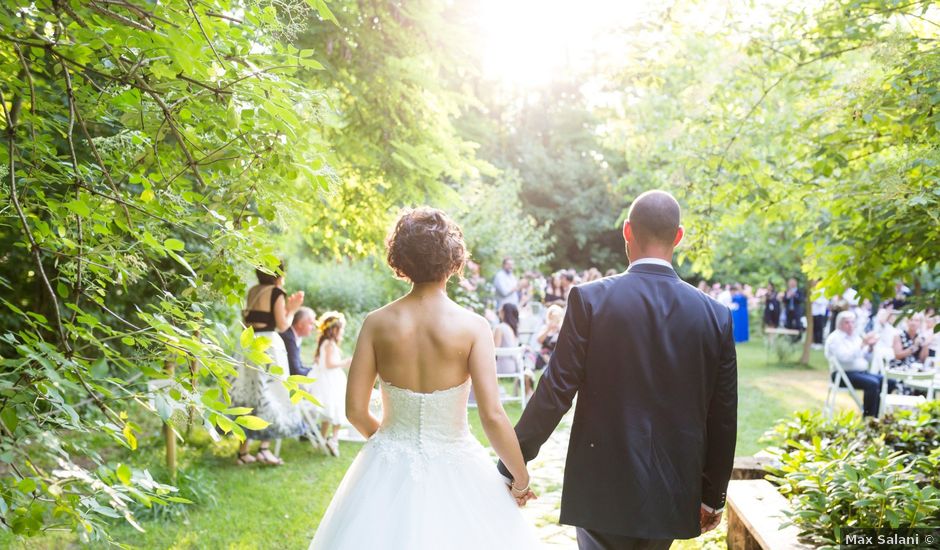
<point>847,473</point>
<point>392,72</point>
<point>350,287</point>
<point>547,140</point>
<point>495,225</point>
<point>821,133</point>
<point>148,152</point>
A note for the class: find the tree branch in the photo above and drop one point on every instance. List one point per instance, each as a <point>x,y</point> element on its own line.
<point>34,247</point>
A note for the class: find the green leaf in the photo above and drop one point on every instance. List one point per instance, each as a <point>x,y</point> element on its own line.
<point>252,422</point>
<point>238,411</point>
<point>298,379</point>
<point>124,474</point>
<point>323,10</point>
<point>174,244</point>
<point>26,485</point>
<point>79,207</point>
<point>8,416</point>
<point>223,422</point>
<point>248,335</point>
<point>129,436</point>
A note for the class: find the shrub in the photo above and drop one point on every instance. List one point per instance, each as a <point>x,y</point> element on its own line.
<point>849,473</point>
<point>349,287</point>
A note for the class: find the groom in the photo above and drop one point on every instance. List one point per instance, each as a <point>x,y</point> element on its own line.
<point>653,362</point>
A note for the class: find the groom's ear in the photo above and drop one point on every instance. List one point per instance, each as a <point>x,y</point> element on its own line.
<point>627,231</point>
<point>679,234</point>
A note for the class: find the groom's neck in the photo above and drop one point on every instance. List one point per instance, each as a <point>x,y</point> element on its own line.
<point>661,254</point>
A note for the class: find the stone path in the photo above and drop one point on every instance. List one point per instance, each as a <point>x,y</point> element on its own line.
<point>547,471</point>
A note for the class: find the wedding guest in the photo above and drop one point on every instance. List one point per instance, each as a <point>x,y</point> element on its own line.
<point>930,323</point>
<point>740,321</point>
<point>270,311</point>
<point>853,353</point>
<point>472,281</point>
<point>910,345</point>
<point>724,297</point>
<point>329,386</point>
<point>506,335</point>
<point>901,293</point>
<point>610,272</point>
<point>567,281</point>
<point>554,293</point>
<point>862,312</point>
<point>819,309</point>
<point>548,336</point>
<point>883,326</point>
<point>506,285</point>
<point>305,320</point>
<point>794,302</point>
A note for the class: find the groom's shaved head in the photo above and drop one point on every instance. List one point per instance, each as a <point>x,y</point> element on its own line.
<point>654,218</point>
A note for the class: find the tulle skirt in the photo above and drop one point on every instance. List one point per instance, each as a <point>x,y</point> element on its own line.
<point>264,393</point>
<point>329,387</point>
<point>394,498</point>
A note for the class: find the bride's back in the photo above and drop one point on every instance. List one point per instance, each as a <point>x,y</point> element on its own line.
<point>422,341</point>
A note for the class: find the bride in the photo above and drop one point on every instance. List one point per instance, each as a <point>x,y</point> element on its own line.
<point>422,481</point>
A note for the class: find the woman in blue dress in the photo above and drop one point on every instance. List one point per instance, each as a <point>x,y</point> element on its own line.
<point>739,315</point>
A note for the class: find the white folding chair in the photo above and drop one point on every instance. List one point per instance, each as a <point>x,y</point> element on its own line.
<point>838,382</point>
<point>518,375</point>
<point>891,401</point>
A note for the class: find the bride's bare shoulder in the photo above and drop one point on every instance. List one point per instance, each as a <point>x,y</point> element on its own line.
<point>469,319</point>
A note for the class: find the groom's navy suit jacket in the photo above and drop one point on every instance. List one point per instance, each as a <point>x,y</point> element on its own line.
<point>652,360</point>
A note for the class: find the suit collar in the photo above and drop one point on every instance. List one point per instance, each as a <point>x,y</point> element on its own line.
<point>652,269</point>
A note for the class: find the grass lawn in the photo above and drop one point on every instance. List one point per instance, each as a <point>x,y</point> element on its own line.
<point>265,507</point>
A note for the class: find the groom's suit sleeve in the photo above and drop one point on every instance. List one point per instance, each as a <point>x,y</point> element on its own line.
<point>559,384</point>
<point>722,426</point>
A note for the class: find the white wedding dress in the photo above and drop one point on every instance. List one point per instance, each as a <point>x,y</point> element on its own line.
<point>423,482</point>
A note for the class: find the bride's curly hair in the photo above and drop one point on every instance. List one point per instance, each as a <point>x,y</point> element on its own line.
<point>425,246</point>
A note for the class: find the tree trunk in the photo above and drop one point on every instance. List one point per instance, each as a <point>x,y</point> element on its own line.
<point>808,311</point>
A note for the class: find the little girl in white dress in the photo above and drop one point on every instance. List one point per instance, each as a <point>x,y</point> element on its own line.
<point>329,388</point>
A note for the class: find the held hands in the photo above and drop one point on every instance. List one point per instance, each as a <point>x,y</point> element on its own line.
<point>708,520</point>
<point>522,493</point>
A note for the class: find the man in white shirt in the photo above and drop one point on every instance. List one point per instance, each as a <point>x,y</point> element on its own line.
<point>506,285</point>
<point>853,353</point>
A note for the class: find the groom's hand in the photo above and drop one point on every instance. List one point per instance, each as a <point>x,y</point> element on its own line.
<point>708,520</point>
<point>520,497</point>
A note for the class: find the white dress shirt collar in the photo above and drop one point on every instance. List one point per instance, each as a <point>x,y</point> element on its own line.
<point>653,261</point>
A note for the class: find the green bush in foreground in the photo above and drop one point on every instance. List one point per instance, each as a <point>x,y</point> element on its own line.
<point>849,473</point>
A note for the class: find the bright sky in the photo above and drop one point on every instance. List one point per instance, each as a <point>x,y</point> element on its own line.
<point>525,42</point>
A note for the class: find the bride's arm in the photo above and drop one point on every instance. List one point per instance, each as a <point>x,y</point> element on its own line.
<point>361,380</point>
<point>492,415</point>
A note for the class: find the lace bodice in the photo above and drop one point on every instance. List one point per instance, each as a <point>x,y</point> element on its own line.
<point>424,426</point>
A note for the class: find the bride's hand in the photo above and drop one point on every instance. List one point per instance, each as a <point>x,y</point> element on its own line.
<point>522,494</point>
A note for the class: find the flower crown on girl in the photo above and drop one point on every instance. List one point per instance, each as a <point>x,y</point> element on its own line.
<point>329,319</point>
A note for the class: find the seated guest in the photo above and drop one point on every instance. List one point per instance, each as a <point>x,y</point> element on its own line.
<point>506,335</point>
<point>548,337</point>
<point>302,326</point>
<point>853,352</point>
<point>911,346</point>
<point>930,323</point>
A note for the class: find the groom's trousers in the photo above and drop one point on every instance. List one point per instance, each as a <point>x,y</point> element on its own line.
<point>588,539</point>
